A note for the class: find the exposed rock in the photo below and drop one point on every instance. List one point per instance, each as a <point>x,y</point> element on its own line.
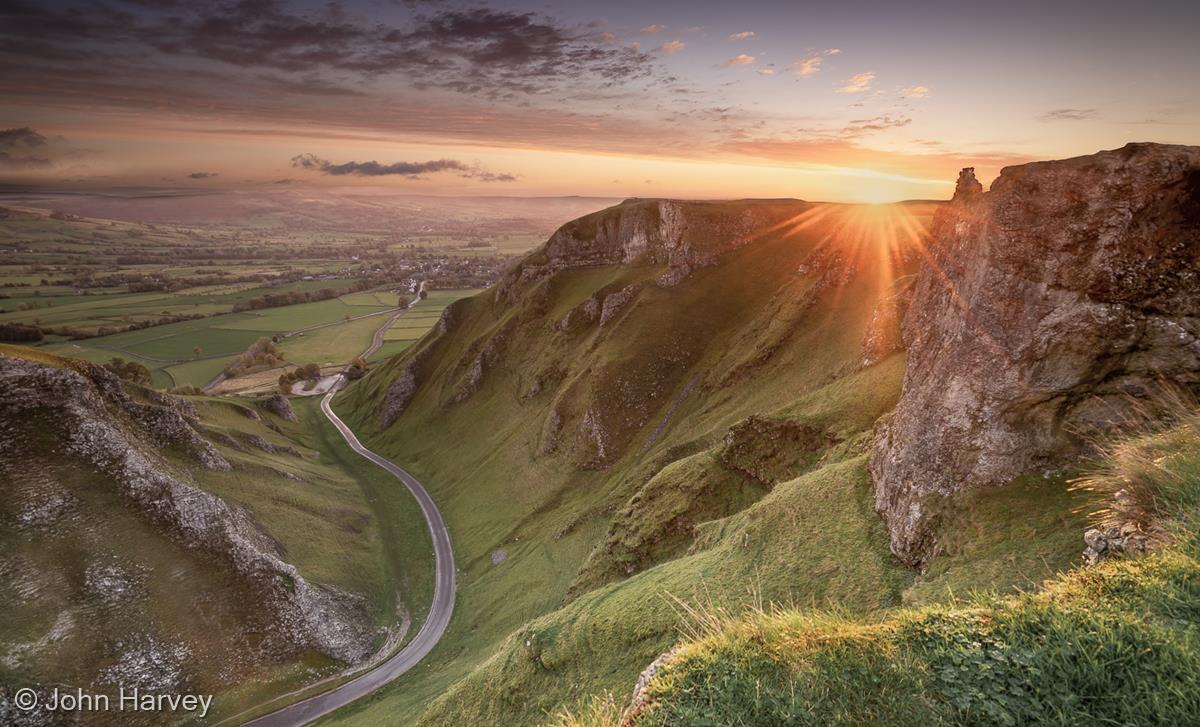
<point>1048,304</point>
<point>595,433</point>
<point>99,426</point>
<point>617,301</point>
<point>1111,541</point>
<point>400,394</point>
<point>473,380</point>
<point>683,236</point>
<point>638,700</point>
<point>53,505</point>
<point>883,336</point>
<point>261,444</point>
<point>280,406</point>
<point>772,450</point>
<point>111,583</point>
<point>249,413</point>
<point>490,354</point>
<point>580,316</point>
<point>968,187</point>
<point>551,431</point>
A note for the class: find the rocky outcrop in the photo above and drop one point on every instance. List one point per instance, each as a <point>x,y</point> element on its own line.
<point>1102,544</point>
<point>1048,307</point>
<point>92,421</point>
<point>615,303</point>
<point>681,235</point>
<point>400,394</point>
<point>772,450</point>
<point>280,406</point>
<point>639,698</point>
<point>883,336</point>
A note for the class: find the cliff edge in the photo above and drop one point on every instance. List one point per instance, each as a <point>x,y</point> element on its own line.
<point>1048,308</point>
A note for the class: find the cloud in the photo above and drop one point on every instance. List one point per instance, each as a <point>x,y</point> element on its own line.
<point>477,51</point>
<point>766,71</point>
<point>672,46</point>
<point>863,127</point>
<point>807,67</point>
<point>412,170</point>
<point>1068,114</point>
<point>606,38</point>
<point>857,83</point>
<point>27,149</point>
<point>654,29</point>
<point>914,92</point>
<point>741,59</point>
<point>832,51</point>
<point>745,34</point>
<point>202,175</point>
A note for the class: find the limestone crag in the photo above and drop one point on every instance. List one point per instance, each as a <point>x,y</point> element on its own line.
<point>1050,305</point>
<point>681,235</point>
<point>98,425</point>
<point>400,394</point>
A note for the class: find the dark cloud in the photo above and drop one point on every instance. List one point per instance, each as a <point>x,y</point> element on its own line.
<point>412,170</point>
<point>23,148</point>
<point>479,50</point>
<point>202,175</point>
<point>1068,115</point>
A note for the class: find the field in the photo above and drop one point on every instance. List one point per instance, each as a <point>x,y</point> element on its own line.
<point>164,294</point>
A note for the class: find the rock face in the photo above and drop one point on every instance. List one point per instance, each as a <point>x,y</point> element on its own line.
<point>95,424</point>
<point>280,406</point>
<point>400,394</point>
<point>681,235</point>
<point>1049,305</point>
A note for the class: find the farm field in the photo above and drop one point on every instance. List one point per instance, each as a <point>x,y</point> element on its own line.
<point>302,315</point>
<point>419,320</point>
<point>334,344</point>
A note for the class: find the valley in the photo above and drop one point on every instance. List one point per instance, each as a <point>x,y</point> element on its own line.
<point>759,461</point>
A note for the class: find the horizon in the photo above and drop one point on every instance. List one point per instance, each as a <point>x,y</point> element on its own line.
<point>512,99</point>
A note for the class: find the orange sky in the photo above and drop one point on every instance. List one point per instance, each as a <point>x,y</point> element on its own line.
<point>858,102</point>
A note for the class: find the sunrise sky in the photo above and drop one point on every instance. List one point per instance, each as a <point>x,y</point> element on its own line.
<point>851,101</point>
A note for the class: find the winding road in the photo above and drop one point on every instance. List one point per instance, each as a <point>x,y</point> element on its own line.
<point>431,631</point>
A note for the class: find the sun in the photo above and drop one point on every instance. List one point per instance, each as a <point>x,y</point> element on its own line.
<point>877,195</point>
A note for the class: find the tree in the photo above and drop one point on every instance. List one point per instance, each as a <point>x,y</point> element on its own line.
<point>130,371</point>
<point>357,368</point>
<point>197,351</point>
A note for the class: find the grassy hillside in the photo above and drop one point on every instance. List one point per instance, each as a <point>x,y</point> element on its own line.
<point>1115,643</point>
<point>93,586</point>
<point>602,442</point>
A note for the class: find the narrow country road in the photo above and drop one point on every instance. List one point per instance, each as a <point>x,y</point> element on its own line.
<point>377,340</point>
<point>431,631</point>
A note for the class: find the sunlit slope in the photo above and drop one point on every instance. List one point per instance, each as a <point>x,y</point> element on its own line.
<point>601,434</point>
<point>1117,642</point>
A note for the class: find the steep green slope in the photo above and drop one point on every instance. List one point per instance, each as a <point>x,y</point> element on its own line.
<point>668,400</point>
<point>1114,643</point>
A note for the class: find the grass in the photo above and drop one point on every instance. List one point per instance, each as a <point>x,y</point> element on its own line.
<point>1115,643</point>
<point>294,317</point>
<point>340,520</point>
<point>334,344</point>
<point>528,523</point>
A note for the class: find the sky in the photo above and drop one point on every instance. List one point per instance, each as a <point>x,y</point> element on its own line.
<point>839,101</point>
